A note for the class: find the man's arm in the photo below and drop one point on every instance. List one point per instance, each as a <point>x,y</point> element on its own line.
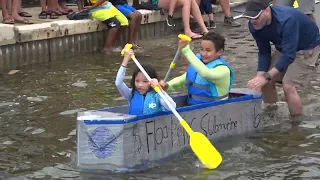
<point>290,41</point>
<point>264,55</point>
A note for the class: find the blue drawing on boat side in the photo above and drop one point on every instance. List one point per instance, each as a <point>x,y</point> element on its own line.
<point>102,142</point>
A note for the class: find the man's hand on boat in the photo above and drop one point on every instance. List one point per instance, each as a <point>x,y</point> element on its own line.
<point>257,83</point>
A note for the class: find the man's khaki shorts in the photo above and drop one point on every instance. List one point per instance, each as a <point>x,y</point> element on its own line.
<point>305,6</point>
<point>298,73</point>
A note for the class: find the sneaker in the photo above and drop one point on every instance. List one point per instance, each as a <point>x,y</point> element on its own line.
<point>212,25</point>
<point>229,21</point>
<point>170,21</point>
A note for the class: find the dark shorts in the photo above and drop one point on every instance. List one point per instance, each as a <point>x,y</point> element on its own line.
<point>206,6</point>
<point>112,22</point>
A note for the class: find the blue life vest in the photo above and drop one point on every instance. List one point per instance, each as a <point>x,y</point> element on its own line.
<point>144,105</point>
<point>201,90</point>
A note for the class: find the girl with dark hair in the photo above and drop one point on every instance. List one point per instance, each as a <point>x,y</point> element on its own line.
<point>143,100</point>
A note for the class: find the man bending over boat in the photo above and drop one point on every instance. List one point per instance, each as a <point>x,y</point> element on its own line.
<point>209,77</point>
<point>290,31</point>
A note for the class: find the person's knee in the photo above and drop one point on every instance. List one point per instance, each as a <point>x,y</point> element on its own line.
<point>139,15</point>
<point>133,16</point>
<point>288,89</point>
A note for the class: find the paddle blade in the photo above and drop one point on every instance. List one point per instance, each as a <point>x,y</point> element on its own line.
<point>205,151</point>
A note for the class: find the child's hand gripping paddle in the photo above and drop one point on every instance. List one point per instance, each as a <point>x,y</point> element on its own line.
<point>177,56</point>
<point>199,143</point>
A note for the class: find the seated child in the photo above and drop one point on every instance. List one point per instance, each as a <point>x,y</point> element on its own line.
<point>105,12</point>
<point>133,15</point>
<point>143,100</point>
<point>208,77</point>
<point>206,7</point>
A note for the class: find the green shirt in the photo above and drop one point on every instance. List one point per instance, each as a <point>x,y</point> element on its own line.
<point>219,75</point>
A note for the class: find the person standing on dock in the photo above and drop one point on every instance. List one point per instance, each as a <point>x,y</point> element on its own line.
<point>290,31</point>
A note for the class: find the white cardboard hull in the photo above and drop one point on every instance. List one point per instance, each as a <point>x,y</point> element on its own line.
<point>111,140</point>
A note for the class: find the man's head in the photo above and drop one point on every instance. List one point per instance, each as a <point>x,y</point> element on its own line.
<point>259,13</point>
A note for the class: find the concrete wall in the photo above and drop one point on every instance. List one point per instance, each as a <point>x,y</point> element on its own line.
<point>51,41</point>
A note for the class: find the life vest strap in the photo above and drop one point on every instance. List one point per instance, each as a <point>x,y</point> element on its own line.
<point>197,85</point>
<point>203,98</point>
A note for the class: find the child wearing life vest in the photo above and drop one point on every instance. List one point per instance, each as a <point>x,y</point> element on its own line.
<point>143,100</point>
<point>209,77</point>
<point>104,11</point>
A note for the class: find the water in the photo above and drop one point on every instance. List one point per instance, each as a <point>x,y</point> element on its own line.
<point>38,119</point>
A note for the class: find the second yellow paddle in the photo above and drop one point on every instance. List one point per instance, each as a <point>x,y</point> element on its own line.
<point>199,143</point>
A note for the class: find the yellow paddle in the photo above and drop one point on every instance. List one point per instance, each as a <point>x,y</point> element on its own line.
<point>177,56</point>
<point>295,4</point>
<point>199,143</point>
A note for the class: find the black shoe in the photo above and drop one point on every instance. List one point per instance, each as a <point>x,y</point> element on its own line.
<point>205,23</point>
<point>170,21</point>
<point>212,25</point>
<point>229,21</point>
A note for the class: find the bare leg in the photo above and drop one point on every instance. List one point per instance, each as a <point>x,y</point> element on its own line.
<point>228,19</point>
<point>43,4</point>
<point>62,10</point>
<point>112,35</point>
<point>15,13</point>
<point>293,99</point>
<point>226,7</point>
<point>64,6</point>
<point>132,24</point>
<point>172,6</point>
<point>211,17</point>
<point>138,24</point>
<point>9,6</point>
<point>5,13</point>
<point>51,4</point>
<point>269,93</point>
<point>186,6</point>
<point>197,15</point>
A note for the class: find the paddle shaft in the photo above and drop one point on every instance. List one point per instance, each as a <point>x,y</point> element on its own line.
<point>157,89</point>
<point>177,56</point>
<point>173,63</point>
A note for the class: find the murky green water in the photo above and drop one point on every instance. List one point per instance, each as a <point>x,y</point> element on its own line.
<point>38,108</point>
